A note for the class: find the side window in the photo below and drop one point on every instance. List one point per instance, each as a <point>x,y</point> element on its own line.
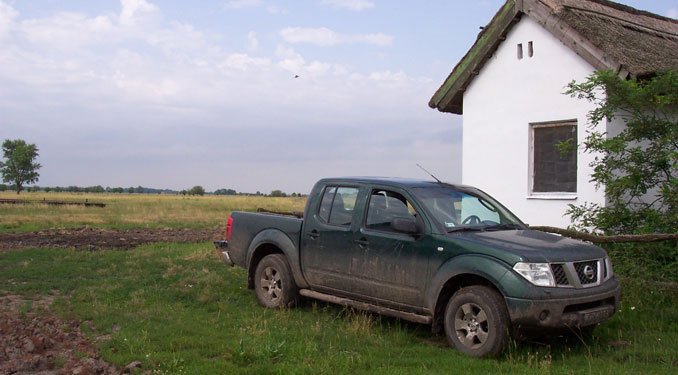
<point>326,203</point>
<point>337,204</point>
<point>384,207</point>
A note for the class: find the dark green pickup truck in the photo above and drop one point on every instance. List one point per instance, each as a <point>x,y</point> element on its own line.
<point>428,252</point>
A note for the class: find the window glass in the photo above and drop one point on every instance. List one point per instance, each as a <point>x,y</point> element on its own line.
<point>337,205</point>
<point>475,210</point>
<point>555,168</point>
<point>384,207</point>
<point>343,205</point>
<point>326,203</point>
<point>458,209</point>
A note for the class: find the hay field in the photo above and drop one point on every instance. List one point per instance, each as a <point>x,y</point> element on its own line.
<point>124,211</point>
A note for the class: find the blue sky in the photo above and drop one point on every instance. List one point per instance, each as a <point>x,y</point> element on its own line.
<point>172,94</point>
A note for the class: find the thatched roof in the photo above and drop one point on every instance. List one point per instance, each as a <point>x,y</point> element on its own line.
<point>607,35</point>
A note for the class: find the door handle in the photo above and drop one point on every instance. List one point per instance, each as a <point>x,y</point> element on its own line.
<point>314,234</point>
<point>363,242</point>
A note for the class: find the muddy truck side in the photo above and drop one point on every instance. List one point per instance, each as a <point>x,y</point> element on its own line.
<point>429,252</point>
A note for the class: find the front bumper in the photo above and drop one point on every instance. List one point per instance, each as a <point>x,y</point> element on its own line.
<point>575,311</point>
<point>222,249</point>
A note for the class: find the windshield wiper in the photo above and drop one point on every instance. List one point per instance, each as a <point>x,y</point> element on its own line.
<point>504,227</point>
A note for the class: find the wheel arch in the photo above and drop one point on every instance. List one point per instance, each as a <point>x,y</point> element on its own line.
<point>273,241</point>
<point>458,273</point>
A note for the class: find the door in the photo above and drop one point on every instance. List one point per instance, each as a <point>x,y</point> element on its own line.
<point>328,238</point>
<point>388,265</point>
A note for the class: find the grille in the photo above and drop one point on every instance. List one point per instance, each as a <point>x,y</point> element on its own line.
<point>582,266</point>
<point>559,274</point>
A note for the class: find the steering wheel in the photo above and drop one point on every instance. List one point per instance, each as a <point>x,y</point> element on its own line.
<point>471,220</point>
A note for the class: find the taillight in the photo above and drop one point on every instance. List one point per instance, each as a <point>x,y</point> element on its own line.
<point>229,227</point>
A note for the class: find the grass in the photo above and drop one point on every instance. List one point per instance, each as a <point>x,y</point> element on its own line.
<point>125,211</point>
<point>179,309</point>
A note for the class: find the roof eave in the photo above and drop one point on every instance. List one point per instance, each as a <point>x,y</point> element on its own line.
<point>449,97</point>
<point>571,38</point>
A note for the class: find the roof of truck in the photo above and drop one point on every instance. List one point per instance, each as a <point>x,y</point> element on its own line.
<point>390,181</point>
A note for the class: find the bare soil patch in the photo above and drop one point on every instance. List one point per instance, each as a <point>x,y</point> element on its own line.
<point>94,238</point>
<point>41,343</point>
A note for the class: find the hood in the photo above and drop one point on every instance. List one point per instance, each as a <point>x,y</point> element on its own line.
<point>529,245</point>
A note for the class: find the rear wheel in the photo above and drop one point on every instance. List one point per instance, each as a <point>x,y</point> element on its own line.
<point>476,322</point>
<point>274,283</point>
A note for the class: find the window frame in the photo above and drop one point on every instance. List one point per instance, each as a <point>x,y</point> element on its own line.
<point>550,195</point>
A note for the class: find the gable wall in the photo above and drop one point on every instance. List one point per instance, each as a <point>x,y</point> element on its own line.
<point>499,105</point>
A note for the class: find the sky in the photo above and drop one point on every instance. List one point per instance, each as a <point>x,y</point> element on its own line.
<point>172,94</point>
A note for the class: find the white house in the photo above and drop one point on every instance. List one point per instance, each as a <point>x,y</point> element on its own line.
<point>509,87</point>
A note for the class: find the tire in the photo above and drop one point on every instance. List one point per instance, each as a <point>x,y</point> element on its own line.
<point>274,284</point>
<point>477,322</point>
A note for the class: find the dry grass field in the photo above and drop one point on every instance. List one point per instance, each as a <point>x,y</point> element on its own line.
<point>124,211</point>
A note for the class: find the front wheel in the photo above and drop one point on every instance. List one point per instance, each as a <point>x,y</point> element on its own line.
<point>476,322</point>
<point>274,283</point>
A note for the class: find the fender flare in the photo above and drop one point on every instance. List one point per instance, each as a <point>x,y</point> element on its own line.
<point>496,272</point>
<point>282,241</point>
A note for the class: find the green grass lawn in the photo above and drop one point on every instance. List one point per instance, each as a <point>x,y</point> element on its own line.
<point>179,309</point>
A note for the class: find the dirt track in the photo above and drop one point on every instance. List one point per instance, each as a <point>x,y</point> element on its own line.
<point>41,343</point>
<point>94,239</point>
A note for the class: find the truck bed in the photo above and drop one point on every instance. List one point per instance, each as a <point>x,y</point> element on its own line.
<point>248,225</point>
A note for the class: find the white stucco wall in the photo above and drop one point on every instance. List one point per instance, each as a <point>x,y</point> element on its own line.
<point>499,106</point>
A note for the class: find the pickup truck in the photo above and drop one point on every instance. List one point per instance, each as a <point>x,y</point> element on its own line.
<point>429,252</point>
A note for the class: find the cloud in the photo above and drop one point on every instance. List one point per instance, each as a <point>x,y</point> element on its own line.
<point>135,98</point>
<point>252,41</point>
<point>243,4</point>
<point>354,5</point>
<point>136,11</point>
<point>7,16</point>
<point>325,37</point>
<point>243,62</point>
<point>672,13</point>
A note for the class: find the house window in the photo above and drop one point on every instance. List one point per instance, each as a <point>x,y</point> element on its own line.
<point>554,157</point>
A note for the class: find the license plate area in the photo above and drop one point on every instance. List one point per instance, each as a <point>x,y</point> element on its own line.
<point>597,315</point>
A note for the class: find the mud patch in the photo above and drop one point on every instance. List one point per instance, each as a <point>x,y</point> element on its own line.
<point>94,239</point>
<point>40,343</point>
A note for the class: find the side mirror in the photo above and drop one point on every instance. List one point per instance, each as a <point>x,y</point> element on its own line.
<point>404,225</point>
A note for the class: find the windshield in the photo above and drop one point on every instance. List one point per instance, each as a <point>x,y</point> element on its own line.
<point>466,209</point>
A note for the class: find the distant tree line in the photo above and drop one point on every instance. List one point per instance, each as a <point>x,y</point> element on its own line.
<point>195,190</point>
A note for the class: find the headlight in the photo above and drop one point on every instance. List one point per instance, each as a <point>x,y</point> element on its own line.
<point>537,273</point>
<point>608,268</point>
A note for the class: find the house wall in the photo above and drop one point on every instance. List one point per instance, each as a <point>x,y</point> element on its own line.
<point>499,106</point>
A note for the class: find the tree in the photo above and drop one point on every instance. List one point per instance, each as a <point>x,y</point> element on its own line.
<point>225,192</point>
<point>278,193</point>
<point>197,190</point>
<point>641,160</point>
<point>19,167</point>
